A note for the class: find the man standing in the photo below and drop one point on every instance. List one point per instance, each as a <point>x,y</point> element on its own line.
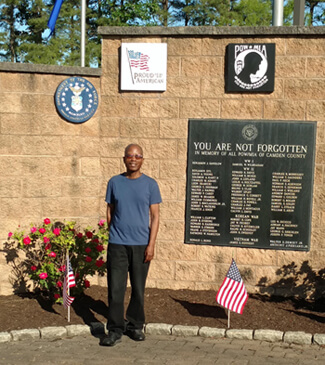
<point>133,200</point>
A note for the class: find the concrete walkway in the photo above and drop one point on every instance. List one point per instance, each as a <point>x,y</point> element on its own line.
<point>158,349</point>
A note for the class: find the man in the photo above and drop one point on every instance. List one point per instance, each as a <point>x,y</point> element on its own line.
<point>133,200</point>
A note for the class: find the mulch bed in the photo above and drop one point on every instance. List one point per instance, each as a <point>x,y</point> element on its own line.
<point>183,307</point>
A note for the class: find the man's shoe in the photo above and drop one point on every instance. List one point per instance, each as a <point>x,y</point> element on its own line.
<point>136,335</point>
<point>111,339</point>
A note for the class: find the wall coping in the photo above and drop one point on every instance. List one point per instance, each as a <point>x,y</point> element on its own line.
<point>211,30</point>
<point>49,69</point>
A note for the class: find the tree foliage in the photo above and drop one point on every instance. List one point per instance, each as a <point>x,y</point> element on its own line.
<point>24,36</point>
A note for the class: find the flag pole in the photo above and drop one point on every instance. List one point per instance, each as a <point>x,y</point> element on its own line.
<point>67,268</point>
<point>83,32</point>
<point>228,318</point>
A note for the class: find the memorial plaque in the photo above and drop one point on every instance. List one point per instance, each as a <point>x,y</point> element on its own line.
<point>250,67</point>
<point>250,183</point>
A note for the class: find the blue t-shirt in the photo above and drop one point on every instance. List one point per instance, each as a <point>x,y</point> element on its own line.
<point>131,199</point>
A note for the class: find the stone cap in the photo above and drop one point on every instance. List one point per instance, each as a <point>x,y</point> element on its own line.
<point>50,69</point>
<point>211,30</point>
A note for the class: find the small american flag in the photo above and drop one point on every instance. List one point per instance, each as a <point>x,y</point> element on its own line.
<point>139,60</point>
<point>232,293</point>
<point>69,282</point>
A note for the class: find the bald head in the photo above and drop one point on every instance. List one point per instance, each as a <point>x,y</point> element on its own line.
<point>132,145</point>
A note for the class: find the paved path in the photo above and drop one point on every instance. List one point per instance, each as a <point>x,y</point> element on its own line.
<point>158,349</point>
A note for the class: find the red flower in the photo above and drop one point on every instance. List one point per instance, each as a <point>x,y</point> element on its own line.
<point>33,268</point>
<point>46,239</point>
<point>79,235</point>
<point>26,240</point>
<point>42,230</point>
<point>48,246</point>
<point>88,259</point>
<point>47,221</point>
<point>43,275</point>
<point>57,296</point>
<point>9,234</point>
<point>59,284</point>
<point>95,240</point>
<point>99,263</point>
<point>89,234</point>
<point>87,284</point>
<point>33,229</point>
<point>52,254</point>
<point>62,268</point>
<point>57,231</point>
<point>100,248</point>
<point>88,249</point>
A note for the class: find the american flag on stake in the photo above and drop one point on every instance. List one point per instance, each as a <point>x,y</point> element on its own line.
<point>69,282</point>
<point>232,293</point>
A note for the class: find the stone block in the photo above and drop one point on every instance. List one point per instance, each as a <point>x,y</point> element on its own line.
<point>239,334</point>
<point>174,66</point>
<point>109,127</point>
<point>266,276</point>
<point>316,111</point>
<point>210,332</point>
<point>319,339</point>
<point>195,271</point>
<point>260,257</point>
<point>268,335</point>
<point>41,187</point>
<point>181,87</point>
<point>113,147</point>
<point>172,210</point>
<point>174,285</point>
<point>305,46</point>
<point>185,331</point>
<point>61,207</point>
<point>141,127</point>
<point>215,254</point>
<point>173,128</point>
<point>159,108</point>
<point>25,335</point>
<point>81,186</point>
<point>158,149</point>
<point>168,189</point>
<point>5,337</point>
<point>203,66</point>
<point>77,330</point>
<point>200,108</point>
<point>184,46</point>
<point>10,187</point>
<point>172,249</point>
<point>290,67</point>
<point>82,146</point>
<point>304,89</point>
<point>298,337</point>
<point>249,109</point>
<point>90,166</point>
<point>50,333</point>
<point>212,87</point>
<point>284,109</point>
<point>120,107</point>
<point>173,169</point>
<point>110,47</point>
<point>315,67</point>
<point>158,329</point>
<point>162,270</point>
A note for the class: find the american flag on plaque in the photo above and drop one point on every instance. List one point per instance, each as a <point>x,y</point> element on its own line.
<point>143,66</point>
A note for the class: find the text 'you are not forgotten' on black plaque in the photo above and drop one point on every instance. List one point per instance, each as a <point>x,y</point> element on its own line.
<point>250,183</point>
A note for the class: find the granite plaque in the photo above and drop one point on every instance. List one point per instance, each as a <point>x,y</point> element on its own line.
<point>250,183</point>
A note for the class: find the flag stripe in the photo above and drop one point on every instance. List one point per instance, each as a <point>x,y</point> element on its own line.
<point>69,282</point>
<point>232,293</point>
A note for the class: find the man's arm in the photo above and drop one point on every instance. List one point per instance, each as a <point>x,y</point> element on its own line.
<point>154,219</point>
<point>109,214</point>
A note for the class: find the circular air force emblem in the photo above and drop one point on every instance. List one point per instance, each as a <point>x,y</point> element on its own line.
<point>76,99</point>
<point>249,132</point>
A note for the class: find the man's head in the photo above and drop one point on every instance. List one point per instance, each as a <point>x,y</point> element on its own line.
<point>133,158</point>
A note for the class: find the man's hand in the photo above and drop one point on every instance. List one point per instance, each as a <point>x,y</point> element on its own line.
<point>149,253</point>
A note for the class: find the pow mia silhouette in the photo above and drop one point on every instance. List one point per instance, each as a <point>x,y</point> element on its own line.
<point>250,67</point>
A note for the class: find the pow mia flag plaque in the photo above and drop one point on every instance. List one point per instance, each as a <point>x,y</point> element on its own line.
<point>250,67</point>
<point>250,183</point>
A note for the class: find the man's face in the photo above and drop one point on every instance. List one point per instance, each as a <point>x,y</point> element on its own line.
<point>133,159</point>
